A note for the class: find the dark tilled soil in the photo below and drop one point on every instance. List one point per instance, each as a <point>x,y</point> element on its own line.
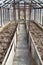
<point>6,36</point>
<point>37,35</point>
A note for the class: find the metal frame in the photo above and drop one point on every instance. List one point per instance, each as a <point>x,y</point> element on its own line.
<point>32,5</point>
<point>36,4</point>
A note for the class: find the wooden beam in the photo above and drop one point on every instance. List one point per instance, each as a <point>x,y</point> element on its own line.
<point>24,12</point>
<point>18,11</point>
<point>1,16</point>
<point>14,11</point>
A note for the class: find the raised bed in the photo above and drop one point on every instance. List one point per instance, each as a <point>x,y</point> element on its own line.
<point>36,43</point>
<point>7,38</point>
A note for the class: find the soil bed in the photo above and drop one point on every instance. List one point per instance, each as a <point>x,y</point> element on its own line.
<point>6,36</point>
<point>37,35</point>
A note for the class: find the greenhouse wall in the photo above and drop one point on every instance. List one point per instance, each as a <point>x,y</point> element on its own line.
<point>38,16</point>
<point>16,14</point>
<point>32,14</point>
<point>11,13</point>
<point>42,16</point>
<point>4,15</point>
<point>27,14</point>
<point>0,16</point>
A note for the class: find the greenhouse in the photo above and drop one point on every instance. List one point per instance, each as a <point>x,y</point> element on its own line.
<point>21,32</point>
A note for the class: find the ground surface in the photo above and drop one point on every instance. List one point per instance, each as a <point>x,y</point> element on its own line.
<point>22,52</point>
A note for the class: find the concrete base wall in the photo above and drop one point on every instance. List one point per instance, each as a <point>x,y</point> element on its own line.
<point>11,56</point>
<point>34,52</point>
<point>10,53</point>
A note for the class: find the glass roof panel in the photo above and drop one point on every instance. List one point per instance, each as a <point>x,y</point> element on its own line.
<point>41,0</point>
<point>38,2</point>
<point>23,0</point>
<point>1,2</point>
<point>38,5</point>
